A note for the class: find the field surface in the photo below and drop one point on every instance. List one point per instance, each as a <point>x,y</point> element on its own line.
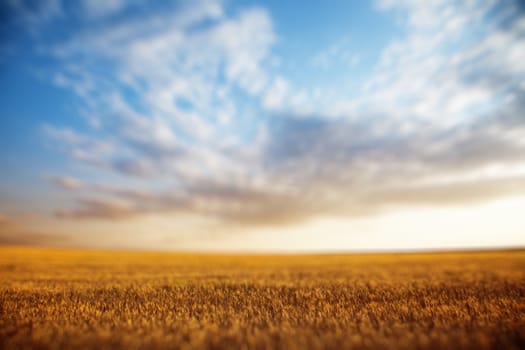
<point>82,299</point>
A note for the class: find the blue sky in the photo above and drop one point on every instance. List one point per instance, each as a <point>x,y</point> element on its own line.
<point>155,124</point>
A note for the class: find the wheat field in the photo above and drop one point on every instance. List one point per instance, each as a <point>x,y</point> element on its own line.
<point>59,299</point>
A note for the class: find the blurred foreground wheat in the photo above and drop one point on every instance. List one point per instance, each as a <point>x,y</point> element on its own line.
<point>81,299</point>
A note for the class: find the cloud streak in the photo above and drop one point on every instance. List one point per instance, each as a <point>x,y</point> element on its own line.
<point>4,221</point>
<point>35,239</point>
<point>67,182</point>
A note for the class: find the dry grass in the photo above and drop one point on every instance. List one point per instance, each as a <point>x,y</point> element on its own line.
<point>82,299</point>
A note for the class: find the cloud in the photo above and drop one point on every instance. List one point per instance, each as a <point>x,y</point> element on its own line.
<point>67,182</point>
<point>193,118</point>
<point>338,52</point>
<point>73,138</point>
<point>33,14</point>
<point>276,95</point>
<point>4,220</point>
<point>34,239</point>
<point>184,117</point>
<point>93,208</point>
<point>314,166</point>
<point>102,8</point>
<point>455,61</point>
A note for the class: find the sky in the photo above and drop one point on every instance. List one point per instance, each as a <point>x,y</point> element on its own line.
<point>262,125</point>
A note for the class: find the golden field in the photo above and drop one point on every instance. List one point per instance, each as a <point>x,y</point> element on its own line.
<point>130,300</point>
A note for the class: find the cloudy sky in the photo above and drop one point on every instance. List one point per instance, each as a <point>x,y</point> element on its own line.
<point>269,126</point>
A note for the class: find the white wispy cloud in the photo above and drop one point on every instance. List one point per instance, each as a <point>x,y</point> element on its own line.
<point>277,94</point>
<point>188,102</point>
<point>337,53</point>
<point>444,70</point>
